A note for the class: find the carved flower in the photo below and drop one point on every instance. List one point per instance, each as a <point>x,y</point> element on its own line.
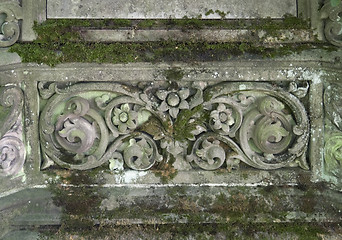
<point>125,118</point>
<point>222,118</point>
<point>173,101</point>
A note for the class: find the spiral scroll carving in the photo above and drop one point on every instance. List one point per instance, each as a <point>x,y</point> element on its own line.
<point>10,13</point>
<point>12,149</point>
<point>86,125</point>
<point>138,150</point>
<point>332,16</point>
<point>12,154</point>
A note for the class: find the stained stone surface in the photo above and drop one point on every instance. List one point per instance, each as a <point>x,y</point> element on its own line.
<point>169,9</point>
<point>8,58</point>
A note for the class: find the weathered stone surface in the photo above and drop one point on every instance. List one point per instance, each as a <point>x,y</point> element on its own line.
<point>125,196</point>
<point>8,58</point>
<point>211,143</point>
<point>211,35</point>
<point>54,210</point>
<point>169,9</point>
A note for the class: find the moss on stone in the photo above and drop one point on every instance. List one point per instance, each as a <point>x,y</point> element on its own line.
<point>233,213</point>
<point>59,41</point>
<point>165,170</point>
<point>183,128</point>
<point>288,22</point>
<point>297,230</point>
<point>52,53</point>
<point>79,200</point>
<point>174,74</point>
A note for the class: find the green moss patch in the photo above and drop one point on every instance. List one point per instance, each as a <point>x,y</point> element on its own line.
<point>183,128</point>
<point>55,53</point>
<point>59,41</point>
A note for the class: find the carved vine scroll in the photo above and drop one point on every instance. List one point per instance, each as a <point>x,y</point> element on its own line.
<point>85,125</point>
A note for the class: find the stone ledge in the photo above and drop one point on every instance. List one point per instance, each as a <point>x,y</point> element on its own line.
<point>169,9</point>
<point>238,69</point>
<point>43,210</point>
<point>209,35</point>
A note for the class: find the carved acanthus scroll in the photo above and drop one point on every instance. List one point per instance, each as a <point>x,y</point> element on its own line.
<point>332,16</point>
<point>86,125</point>
<point>12,149</point>
<point>10,14</point>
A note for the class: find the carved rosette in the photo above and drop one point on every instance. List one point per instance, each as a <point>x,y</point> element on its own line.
<point>332,16</point>
<point>10,14</point>
<point>85,125</point>
<point>12,149</point>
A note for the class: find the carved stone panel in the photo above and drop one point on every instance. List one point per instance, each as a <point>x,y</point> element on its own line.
<point>204,126</point>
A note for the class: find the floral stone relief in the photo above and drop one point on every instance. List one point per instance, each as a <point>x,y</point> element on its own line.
<point>85,125</point>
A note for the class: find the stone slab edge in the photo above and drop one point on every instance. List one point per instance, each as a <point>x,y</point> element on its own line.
<point>164,9</point>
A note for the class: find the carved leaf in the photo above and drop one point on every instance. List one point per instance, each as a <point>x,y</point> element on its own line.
<point>333,107</point>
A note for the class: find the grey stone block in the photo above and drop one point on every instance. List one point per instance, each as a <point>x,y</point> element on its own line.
<point>169,9</point>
